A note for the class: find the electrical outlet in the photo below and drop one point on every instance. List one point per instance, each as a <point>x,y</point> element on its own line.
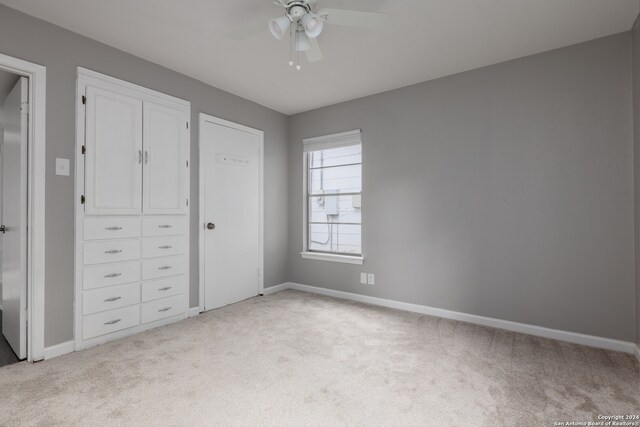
<point>363,278</point>
<point>371,279</point>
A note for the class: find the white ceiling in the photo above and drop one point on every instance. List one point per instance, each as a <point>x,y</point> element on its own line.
<point>424,39</point>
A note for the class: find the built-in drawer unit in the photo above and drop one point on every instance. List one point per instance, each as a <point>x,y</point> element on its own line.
<point>132,228</point>
<point>156,268</point>
<point>110,297</point>
<point>163,288</point>
<point>163,246</point>
<point>110,321</point>
<point>164,225</point>
<point>111,251</point>
<point>98,276</point>
<point>111,227</point>
<point>163,308</point>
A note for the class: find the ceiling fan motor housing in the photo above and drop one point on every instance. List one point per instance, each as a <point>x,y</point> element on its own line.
<point>297,9</point>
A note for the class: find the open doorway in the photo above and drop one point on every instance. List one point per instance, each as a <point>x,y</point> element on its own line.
<point>14,132</point>
<point>22,209</point>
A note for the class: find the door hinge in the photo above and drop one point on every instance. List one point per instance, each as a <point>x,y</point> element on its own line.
<point>84,149</point>
<point>82,200</point>
<point>84,100</point>
<point>187,125</point>
<point>187,202</point>
<point>187,163</point>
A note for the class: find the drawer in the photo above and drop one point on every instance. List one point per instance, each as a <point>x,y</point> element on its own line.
<point>163,288</point>
<point>111,228</point>
<point>109,298</point>
<point>98,276</point>
<point>111,251</point>
<point>163,267</point>
<point>164,225</point>
<point>106,322</point>
<point>163,308</point>
<point>163,246</point>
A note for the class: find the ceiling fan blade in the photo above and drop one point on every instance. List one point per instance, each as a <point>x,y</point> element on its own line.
<point>248,31</point>
<point>353,18</point>
<point>315,53</point>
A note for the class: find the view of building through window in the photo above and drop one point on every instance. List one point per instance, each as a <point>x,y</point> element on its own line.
<point>334,200</point>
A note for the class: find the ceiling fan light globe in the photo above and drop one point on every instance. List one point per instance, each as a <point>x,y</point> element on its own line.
<point>302,42</point>
<point>279,26</point>
<point>312,25</point>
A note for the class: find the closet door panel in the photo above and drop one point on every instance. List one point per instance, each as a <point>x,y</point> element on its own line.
<point>113,153</point>
<point>166,151</point>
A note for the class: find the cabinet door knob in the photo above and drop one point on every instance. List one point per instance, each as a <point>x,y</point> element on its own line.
<point>113,251</point>
<point>112,299</point>
<point>210,226</point>
<point>112,322</point>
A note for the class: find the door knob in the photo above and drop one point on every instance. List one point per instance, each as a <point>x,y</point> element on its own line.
<point>210,226</point>
<point>3,229</point>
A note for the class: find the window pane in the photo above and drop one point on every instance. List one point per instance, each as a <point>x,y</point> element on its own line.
<point>341,179</point>
<point>336,156</point>
<point>345,239</point>
<point>334,209</point>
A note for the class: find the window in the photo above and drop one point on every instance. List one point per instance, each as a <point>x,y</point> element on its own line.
<point>333,197</point>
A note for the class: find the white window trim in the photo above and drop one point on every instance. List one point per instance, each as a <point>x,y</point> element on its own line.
<point>328,141</point>
<point>323,256</point>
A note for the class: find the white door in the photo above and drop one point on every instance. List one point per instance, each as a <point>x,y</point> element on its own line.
<point>166,152</point>
<point>14,218</point>
<point>230,159</point>
<point>113,159</point>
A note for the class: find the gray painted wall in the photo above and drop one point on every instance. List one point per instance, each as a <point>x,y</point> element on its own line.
<point>504,192</point>
<point>635,34</point>
<point>61,51</point>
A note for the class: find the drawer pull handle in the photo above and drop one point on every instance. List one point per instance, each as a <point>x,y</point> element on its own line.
<point>113,251</point>
<point>164,309</point>
<point>112,275</point>
<point>112,299</point>
<point>165,247</point>
<point>113,228</point>
<point>164,267</point>
<point>112,322</point>
<point>166,288</point>
<point>165,226</point>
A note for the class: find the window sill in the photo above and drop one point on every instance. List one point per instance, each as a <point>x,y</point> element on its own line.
<point>347,259</point>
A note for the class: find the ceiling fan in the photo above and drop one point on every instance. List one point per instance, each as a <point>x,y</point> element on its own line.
<point>304,24</point>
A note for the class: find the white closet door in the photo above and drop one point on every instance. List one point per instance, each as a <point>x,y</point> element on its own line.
<point>166,151</point>
<point>113,153</point>
<point>14,254</point>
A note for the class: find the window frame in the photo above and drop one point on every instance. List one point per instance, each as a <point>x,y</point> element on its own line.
<point>341,139</point>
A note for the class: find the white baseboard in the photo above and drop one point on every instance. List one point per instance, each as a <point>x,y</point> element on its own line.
<point>540,331</point>
<point>193,311</point>
<point>59,349</point>
<point>277,288</point>
<point>638,352</point>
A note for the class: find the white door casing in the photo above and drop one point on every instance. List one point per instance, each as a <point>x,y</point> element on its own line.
<point>231,179</point>
<point>113,168</point>
<point>14,215</point>
<point>166,151</point>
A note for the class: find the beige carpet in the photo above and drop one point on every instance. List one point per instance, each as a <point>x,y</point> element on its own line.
<point>300,359</point>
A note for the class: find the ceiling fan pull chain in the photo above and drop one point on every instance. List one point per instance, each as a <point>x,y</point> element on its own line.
<point>291,46</point>
<point>298,50</point>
